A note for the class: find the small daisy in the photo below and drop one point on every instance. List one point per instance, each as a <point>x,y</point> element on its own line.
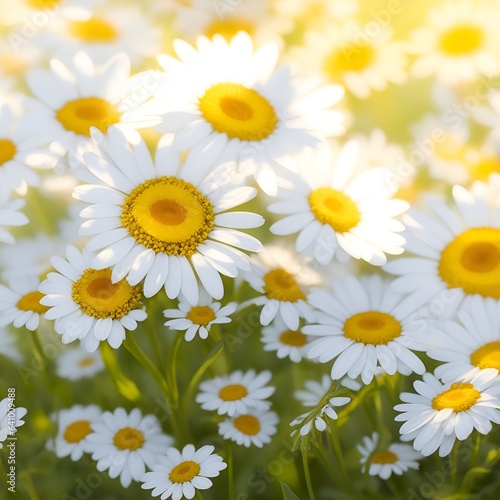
<point>363,324</point>
<point>396,458</point>
<point>86,305</point>
<point>168,221</point>
<point>78,363</point>
<point>338,212</point>
<point>8,346</point>
<point>236,393</point>
<point>73,426</point>
<point>10,418</point>
<point>228,97</point>
<point>125,443</point>
<point>179,474</point>
<point>254,427</point>
<point>20,304</point>
<point>10,216</point>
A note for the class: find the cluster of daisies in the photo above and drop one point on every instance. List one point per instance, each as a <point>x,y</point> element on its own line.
<point>175,172</point>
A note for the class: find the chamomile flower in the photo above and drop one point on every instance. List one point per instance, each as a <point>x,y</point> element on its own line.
<point>397,458</point>
<point>227,97</point>
<point>167,221</point>
<point>179,474</point>
<point>339,212</point>
<point>78,363</point>
<point>236,393</point>
<point>125,443</point>
<point>10,216</point>
<point>198,318</point>
<point>254,427</point>
<point>8,346</point>
<point>73,426</point>
<point>10,418</point>
<point>86,304</point>
<point>363,324</point>
<point>20,304</point>
<point>439,414</point>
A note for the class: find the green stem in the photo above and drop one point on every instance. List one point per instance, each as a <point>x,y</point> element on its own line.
<point>171,374</point>
<point>475,450</point>
<point>198,495</point>
<point>307,475</point>
<point>339,458</point>
<point>454,463</point>
<point>42,361</point>
<point>230,471</point>
<point>153,338</point>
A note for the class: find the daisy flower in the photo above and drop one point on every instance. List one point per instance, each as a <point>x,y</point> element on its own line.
<point>73,426</point>
<point>10,216</point>
<point>363,324</point>
<point>236,393</point>
<point>8,346</point>
<point>78,363</point>
<point>395,459</point>
<point>255,427</point>
<point>338,211</point>
<point>439,414</point>
<point>86,304</point>
<point>198,318</point>
<point>226,96</point>
<point>179,474</point>
<point>283,281</point>
<point>20,304</point>
<point>460,44</point>
<point>10,418</point>
<point>456,251</point>
<point>167,221</point>
<point>125,443</point>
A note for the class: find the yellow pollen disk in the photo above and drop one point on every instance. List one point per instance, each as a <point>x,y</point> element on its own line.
<point>184,472</point>
<point>461,39</point>
<point>247,424</point>
<point>293,338</point>
<point>372,327</point>
<point>88,361</point>
<point>201,315</point>
<point>128,438</point>
<point>168,215</point>
<point>79,115</point>
<point>229,27</point>
<point>43,4</point>
<point>93,30</point>
<point>98,297</point>
<point>482,169</point>
<point>487,356</point>
<point>472,262</point>
<point>333,207</point>
<point>384,457</point>
<point>77,431</point>
<point>238,111</point>
<point>281,285</point>
<point>354,58</point>
<point>31,302</point>
<point>7,151</point>
<point>459,397</point>
<point>233,392</point>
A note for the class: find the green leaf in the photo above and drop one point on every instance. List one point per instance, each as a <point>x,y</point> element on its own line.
<point>472,477</point>
<point>288,494</point>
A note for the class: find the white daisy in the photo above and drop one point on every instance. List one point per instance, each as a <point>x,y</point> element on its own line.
<point>179,474</point>
<point>167,221</point>
<point>10,216</point>
<point>198,318</point>
<point>78,363</point>
<point>86,305</point>
<point>363,324</point>
<point>10,417</point>
<point>236,393</point>
<point>339,212</point>
<point>125,443</point>
<point>228,97</point>
<point>397,458</point>
<point>8,346</point>
<point>439,414</point>
<point>253,427</point>
<point>73,426</point>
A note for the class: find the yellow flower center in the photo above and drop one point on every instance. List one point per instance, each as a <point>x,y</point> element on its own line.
<point>372,327</point>
<point>31,302</point>
<point>482,169</point>
<point>238,111</point>
<point>472,262</point>
<point>11,65</point>
<point>281,285</point>
<point>43,4</point>
<point>168,215</point>
<point>247,424</point>
<point>293,338</point>
<point>384,457</point>
<point>461,39</point>
<point>98,297</point>
<point>76,431</point>
<point>459,397</point>
<point>93,30</point>
<point>348,58</point>
<point>128,438</point>
<point>335,208</point>
<point>7,151</point>
<point>487,356</point>
<point>184,472</point>
<point>79,115</point>
<point>233,392</point>
<point>88,361</point>
<point>201,315</point>
<point>229,27</point>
